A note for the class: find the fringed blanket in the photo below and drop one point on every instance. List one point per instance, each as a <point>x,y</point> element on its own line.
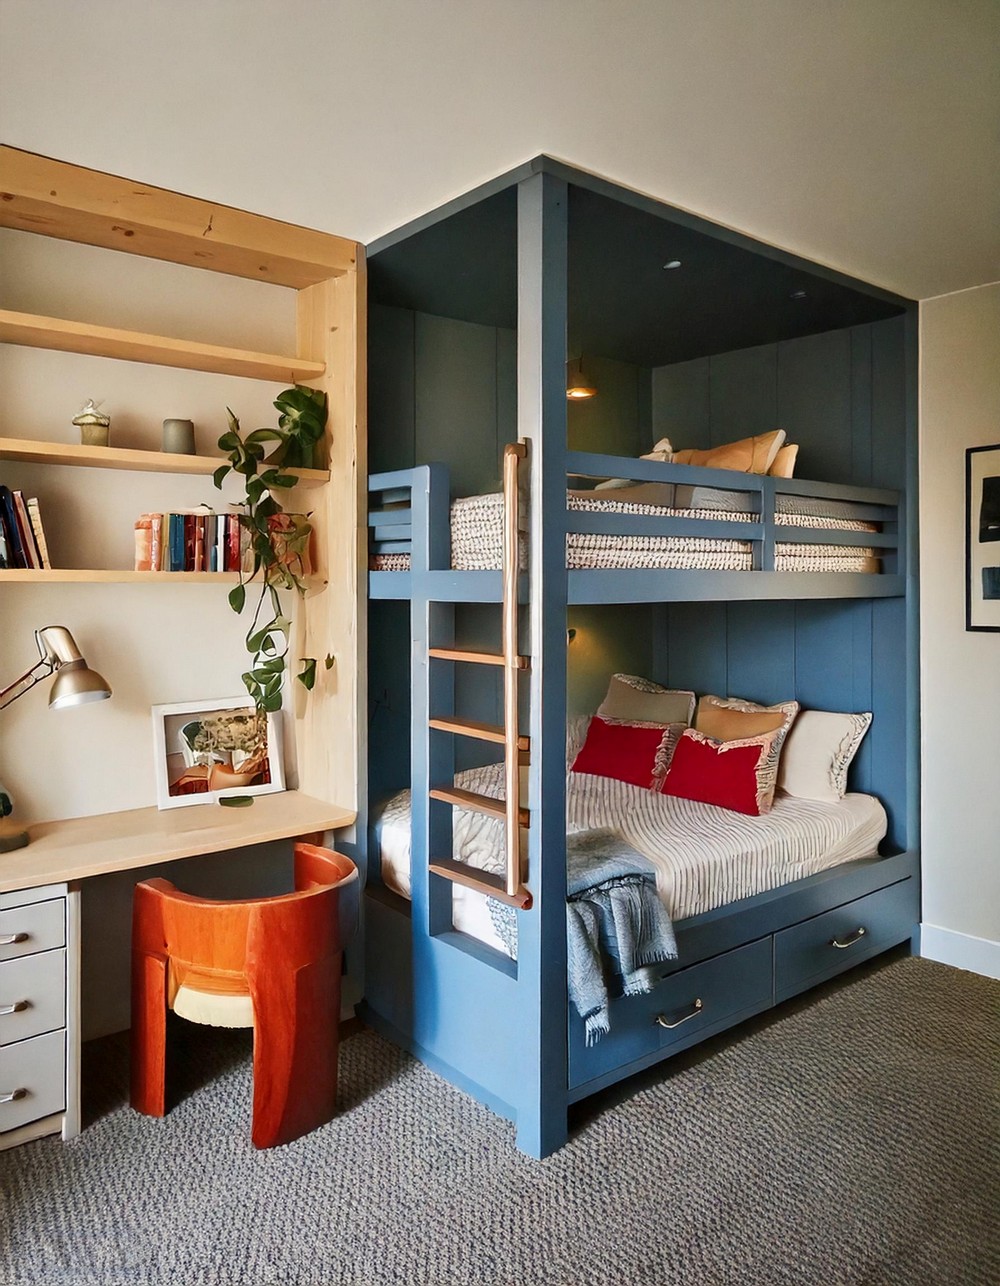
<point>617,929</point>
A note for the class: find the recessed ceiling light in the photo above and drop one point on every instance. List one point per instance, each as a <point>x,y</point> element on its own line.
<point>798,294</point>
<point>672,263</point>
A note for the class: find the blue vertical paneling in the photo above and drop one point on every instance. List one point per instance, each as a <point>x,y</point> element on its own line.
<point>390,389</point>
<point>608,422</point>
<point>456,401</point>
<point>861,405</point>
<point>889,707</point>
<point>681,409</point>
<point>609,640</point>
<point>743,394</point>
<point>506,385</point>
<point>814,403</point>
<point>478,688</point>
<point>388,698</point>
<point>696,643</point>
<point>761,651</point>
<point>889,436</point>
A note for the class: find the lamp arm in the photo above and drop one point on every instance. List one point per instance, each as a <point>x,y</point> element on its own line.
<point>40,670</point>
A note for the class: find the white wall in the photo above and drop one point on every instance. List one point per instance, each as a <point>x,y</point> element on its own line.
<point>960,670</point>
<point>860,134</point>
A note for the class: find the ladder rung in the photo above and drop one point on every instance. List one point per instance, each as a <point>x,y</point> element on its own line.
<point>475,658</point>
<point>472,728</point>
<point>484,881</point>
<point>477,803</point>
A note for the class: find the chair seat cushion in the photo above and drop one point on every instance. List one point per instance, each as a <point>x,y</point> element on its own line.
<point>213,1010</point>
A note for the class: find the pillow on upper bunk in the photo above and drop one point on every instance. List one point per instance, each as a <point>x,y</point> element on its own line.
<point>783,465</point>
<point>818,753</point>
<point>748,455</point>
<point>625,751</point>
<point>630,699</point>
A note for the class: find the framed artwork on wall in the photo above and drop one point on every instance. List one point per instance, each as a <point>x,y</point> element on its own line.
<point>207,751</point>
<point>982,538</point>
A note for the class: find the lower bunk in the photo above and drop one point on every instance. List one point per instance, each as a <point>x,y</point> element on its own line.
<point>454,1001</point>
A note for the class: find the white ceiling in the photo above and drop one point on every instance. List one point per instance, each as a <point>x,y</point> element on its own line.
<point>864,134</point>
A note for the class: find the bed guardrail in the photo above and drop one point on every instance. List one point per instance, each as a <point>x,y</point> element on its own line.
<point>403,500</point>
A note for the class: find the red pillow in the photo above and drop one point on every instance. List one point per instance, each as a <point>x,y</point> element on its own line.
<point>625,751</point>
<point>718,772</point>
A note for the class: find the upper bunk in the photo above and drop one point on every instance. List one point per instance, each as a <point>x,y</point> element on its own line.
<point>483,313</point>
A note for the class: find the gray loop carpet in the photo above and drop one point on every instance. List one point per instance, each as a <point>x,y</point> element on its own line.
<point>849,1139</point>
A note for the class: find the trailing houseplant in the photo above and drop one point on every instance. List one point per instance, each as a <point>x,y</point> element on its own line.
<point>278,541</point>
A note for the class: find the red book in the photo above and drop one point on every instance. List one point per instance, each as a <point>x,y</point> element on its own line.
<point>189,526</point>
<point>232,543</point>
<point>198,562</point>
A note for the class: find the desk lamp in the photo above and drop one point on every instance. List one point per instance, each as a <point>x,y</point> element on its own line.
<point>75,684</point>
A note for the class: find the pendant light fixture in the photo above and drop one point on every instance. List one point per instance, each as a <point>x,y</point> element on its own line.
<point>578,386</point>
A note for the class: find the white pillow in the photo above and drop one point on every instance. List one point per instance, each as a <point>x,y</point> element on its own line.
<point>818,752</point>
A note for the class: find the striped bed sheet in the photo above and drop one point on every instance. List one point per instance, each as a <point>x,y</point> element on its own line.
<point>476,537</point>
<point>705,857</point>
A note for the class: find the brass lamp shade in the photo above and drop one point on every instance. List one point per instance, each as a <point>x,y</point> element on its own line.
<point>578,386</point>
<point>75,685</point>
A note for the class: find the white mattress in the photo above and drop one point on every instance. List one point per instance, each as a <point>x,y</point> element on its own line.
<point>705,856</point>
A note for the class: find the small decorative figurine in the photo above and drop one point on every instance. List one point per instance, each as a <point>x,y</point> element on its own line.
<point>93,424</point>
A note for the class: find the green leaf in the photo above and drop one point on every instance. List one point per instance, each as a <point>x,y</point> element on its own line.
<point>220,474</point>
<point>330,661</point>
<point>237,597</point>
<point>307,675</point>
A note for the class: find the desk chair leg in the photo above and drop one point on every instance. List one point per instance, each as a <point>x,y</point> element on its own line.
<point>295,1048</point>
<point>149,1033</point>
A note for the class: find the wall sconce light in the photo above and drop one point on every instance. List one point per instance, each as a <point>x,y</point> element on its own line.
<point>578,386</point>
<point>570,636</point>
<point>75,684</point>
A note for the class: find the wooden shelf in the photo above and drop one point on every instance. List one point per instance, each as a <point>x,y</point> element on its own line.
<point>160,350</point>
<point>107,576</point>
<point>85,846</point>
<point>30,452</point>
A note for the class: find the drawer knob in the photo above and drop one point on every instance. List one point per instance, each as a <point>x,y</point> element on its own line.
<point>13,1095</point>
<point>18,1007</point>
<point>12,938</point>
<point>856,936</point>
<point>696,1009</point>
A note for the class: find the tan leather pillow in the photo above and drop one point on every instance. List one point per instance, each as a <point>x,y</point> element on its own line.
<point>724,724</point>
<point>631,699</point>
<point>749,455</point>
<point>784,462</point>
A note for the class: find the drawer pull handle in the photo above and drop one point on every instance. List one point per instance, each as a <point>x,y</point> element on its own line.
<point>848,942</point>
<point>12,938</point>
<point>18,1007</point>
<point>13,1096</point>
<point>696,1009</point>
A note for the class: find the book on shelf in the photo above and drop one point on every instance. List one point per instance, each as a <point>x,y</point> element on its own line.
<point>193,540</point>
<point>22,538</point>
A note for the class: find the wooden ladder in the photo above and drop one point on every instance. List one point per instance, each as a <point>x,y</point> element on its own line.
<point>509,887</point>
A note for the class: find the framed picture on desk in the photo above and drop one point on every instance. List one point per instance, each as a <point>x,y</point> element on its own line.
<point>208,750</point>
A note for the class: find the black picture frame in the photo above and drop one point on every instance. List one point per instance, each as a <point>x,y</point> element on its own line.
<point>982,538</point>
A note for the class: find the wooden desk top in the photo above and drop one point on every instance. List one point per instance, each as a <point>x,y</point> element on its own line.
<point>83,846</point>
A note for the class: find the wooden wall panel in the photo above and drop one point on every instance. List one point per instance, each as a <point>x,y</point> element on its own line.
<point>681,404</point>
<point>760,652</point>
<point>455,396</point>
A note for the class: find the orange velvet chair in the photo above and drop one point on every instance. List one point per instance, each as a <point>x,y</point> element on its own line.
<point>273,964</point>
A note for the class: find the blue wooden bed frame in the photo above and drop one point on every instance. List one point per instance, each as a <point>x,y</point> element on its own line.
<point>504,1031</point>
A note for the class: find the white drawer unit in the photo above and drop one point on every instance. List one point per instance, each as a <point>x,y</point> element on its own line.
<point>39,1014</point>
<point>34,926</point>
<point>32,995</point>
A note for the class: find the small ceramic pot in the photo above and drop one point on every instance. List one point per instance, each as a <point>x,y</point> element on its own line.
<point>178,437</point>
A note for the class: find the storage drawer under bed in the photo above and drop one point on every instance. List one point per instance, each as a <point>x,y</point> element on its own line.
<point>683,1009</point>
<point>826,945</point>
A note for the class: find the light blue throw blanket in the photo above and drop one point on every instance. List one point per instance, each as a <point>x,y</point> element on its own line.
<point>617,929</point>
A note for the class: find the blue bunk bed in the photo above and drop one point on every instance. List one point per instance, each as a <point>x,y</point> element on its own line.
<point>475,310</point>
